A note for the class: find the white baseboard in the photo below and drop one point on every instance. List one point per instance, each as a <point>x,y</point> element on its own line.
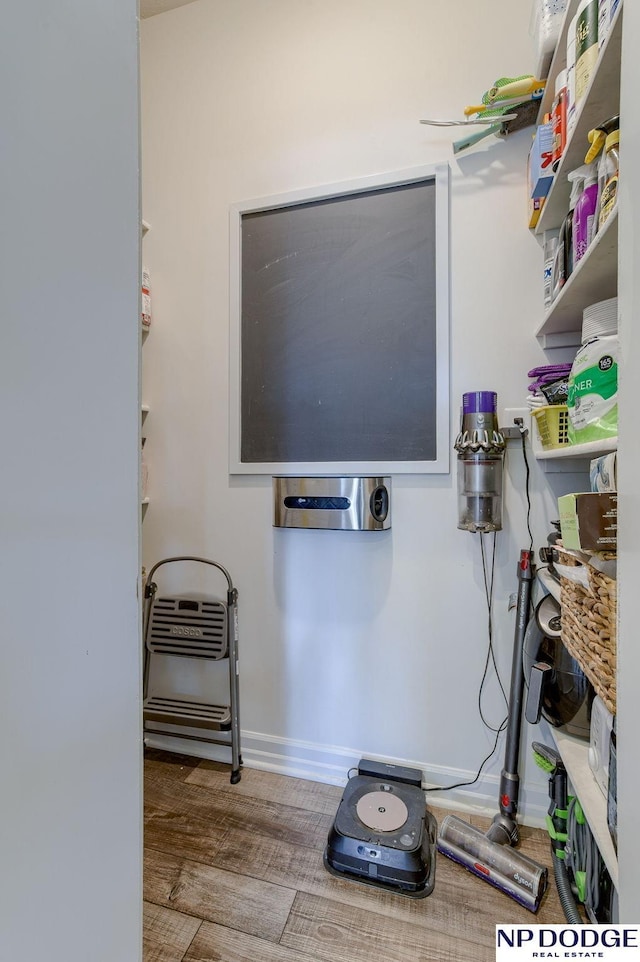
<point>331,764</point>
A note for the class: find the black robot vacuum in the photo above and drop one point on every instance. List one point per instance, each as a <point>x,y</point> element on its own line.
<point>383,833</point>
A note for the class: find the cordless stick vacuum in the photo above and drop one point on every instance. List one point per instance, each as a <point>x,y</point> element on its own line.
<point>490,856</point>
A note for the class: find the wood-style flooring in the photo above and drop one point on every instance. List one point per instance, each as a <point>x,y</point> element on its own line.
<point>234,873</point>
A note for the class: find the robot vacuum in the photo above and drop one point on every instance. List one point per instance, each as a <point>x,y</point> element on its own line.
<point>383,833</point>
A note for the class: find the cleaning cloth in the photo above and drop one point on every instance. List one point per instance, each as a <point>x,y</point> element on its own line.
<point>547,374</point>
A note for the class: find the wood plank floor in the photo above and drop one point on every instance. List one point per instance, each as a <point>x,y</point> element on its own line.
<point>234,873</point>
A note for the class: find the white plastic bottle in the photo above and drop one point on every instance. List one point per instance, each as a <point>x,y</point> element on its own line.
<point>550,245</point>
<point>604,18</point>
<point>571,76</point>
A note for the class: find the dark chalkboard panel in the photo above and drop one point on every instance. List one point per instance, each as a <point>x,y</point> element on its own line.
<point>338,352</point>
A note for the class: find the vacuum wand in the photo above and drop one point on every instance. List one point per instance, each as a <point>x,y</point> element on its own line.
<point>490,856</point>
<point>505,823</point>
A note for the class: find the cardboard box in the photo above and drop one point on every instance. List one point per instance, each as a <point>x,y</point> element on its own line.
<point>534,210</point>
<point>589,521</point>
<point>539,166</point>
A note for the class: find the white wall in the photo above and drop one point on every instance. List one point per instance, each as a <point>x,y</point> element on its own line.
<point>350,643</point>
<point>70,831</point>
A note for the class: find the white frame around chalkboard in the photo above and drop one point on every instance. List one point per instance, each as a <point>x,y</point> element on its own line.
<point>440,174</point>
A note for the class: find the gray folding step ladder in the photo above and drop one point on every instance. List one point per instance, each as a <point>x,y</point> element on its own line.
<point>192,626</point>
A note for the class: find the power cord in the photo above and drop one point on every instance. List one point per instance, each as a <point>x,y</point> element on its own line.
<point>447,788</point>
<point>519,423</point>
<point>523,435</point>
<point>488,586</point>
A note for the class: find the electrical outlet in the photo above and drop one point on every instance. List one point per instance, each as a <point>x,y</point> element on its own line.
<point>509,425</point>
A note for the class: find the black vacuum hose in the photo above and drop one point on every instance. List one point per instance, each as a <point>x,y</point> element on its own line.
<point>567,901</point>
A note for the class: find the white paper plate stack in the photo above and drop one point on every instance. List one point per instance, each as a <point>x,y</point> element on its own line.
<point>599,320</point>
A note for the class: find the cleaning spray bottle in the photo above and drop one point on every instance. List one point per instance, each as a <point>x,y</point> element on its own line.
<point>597,138</point>
<point>564,256</point>
<point>609,193</point>
<point>585,214</point>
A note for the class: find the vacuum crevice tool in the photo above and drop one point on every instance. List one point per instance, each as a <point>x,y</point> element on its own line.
<point>491,856</point>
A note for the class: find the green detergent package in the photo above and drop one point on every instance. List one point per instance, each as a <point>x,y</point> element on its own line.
<point>593,391</point>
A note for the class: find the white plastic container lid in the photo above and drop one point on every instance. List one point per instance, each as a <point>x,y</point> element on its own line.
<point>600,319</point>
<point>561,81</point>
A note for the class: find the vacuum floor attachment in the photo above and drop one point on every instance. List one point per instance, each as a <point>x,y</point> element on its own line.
<point>383,834</point>
<point>503,867</point>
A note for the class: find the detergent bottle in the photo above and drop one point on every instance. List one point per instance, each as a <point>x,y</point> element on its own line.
<point>585,214</point>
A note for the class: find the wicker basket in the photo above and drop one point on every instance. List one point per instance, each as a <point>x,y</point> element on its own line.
<point>553,425</point>
<point>588,600</point>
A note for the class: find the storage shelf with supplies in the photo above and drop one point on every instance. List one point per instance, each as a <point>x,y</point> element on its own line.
<point>595,278</point>
<point>591,449</point>
<point>575,755</point>
<point>567,452</point>
<point>601,100</point>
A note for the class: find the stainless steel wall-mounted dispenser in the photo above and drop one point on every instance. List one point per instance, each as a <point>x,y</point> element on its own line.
<point>345,504</point>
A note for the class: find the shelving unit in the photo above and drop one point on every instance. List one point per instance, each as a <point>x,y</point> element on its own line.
<point>601,100</point>
<point>574,754</point>
<point>144,408</point>
<point>548,582</point>
<point>591,449</point>
<point>594,279</point>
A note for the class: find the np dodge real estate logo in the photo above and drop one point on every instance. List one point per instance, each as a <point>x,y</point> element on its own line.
<point>610,943</point>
